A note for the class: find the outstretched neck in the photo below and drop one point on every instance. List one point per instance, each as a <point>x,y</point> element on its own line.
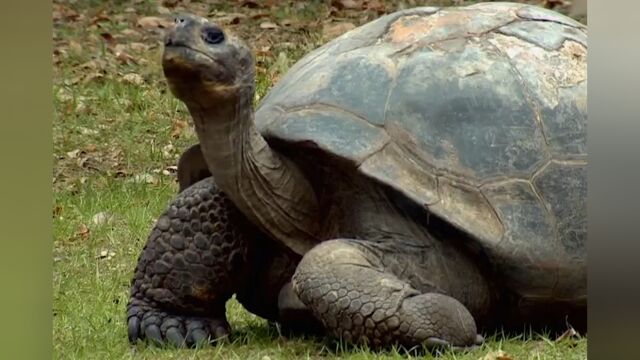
<point>267,187</point>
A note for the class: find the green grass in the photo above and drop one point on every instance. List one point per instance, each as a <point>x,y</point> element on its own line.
<point>115,144</point>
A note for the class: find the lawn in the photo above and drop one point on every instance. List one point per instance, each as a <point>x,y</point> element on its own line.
<point>117,135</point>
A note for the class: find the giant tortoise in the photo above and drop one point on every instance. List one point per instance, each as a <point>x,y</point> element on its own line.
<point>418,180</point>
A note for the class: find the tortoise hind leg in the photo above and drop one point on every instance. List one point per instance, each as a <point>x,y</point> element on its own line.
<point>268,294</point>
<point>193,262</point>
<point>358,300</point>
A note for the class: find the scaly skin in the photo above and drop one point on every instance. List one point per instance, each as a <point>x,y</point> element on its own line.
<point>195,259</point>
<point>359,301</point>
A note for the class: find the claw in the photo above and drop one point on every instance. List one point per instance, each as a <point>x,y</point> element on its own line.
<point>434,342</point>
<point>199,337</point>
<point>175,337</point>
<point>161,329</point>
<point>220,333</point>
<point>133,329</point>
<point>152,332</point>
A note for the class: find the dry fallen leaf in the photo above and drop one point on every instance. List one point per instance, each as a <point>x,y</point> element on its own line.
<point>106,254</point>
<point>251,4</point>
<point>93,76</point>
<point>87,131</point>
<point>259,15</point>
<point>102,218</point>
<point>552,4</point>
<point>170,3</point>
<point>91,148</point>
<point>169,170</point>
<point>496,355</point>
<point>376,6</point>
<point>57,211</point>
<point>268,25</point>
<point>163,10</point>
<point>133,78</point>
<point>74,153</point>
<point>61,12</point>
<point>264,51</point>
<point>154,22</point>
<point>129,33</point>
<point>139,47</point>
<point>99,16</point>
<point>228,18</point>
<point>108,38</point>
<point>167,150</point>
<point>334,30</point>
<point>89,65</point>
<point>346,4</point>
<point>75,47</point>
<point>83,232</point>
<point>177,127</point>
<point>144,179</point>
<point>72,81</point>
<point>571,333</point>
<point>82,108</point>
<point>123,57</point>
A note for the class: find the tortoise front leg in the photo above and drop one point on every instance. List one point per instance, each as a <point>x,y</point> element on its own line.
<point>358,300</point>
<point>195,259</point>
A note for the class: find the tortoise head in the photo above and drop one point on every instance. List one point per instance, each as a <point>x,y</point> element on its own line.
<point>204,64</point>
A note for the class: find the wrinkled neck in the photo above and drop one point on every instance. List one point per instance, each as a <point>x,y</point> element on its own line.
<point>267,187</point>
<point>224,129</point>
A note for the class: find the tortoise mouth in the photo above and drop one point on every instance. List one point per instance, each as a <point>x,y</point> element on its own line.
<point>184,64</point>
<point>186,49</point>
<point>186,55</point>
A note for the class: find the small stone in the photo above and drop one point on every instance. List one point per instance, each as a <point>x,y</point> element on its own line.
<point>102,218</point>
<point>144,179</point>
<point>106,254</point>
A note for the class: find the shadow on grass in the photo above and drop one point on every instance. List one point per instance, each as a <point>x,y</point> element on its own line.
<point>270,333</point>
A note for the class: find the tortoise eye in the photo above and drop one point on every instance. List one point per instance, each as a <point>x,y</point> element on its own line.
<point>213,35</point>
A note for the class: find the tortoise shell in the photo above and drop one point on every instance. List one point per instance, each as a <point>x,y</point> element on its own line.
<point>477,113</point>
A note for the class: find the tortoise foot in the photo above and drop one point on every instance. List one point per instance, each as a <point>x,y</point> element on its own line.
<point>162,328</point>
